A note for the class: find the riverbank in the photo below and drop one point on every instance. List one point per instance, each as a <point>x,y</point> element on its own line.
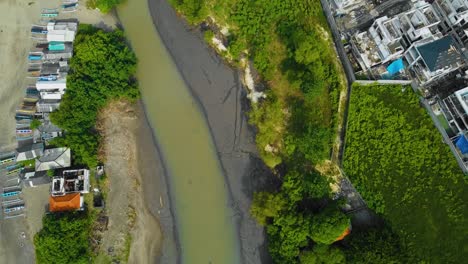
<point>132,228</point>
<point>219,92</point>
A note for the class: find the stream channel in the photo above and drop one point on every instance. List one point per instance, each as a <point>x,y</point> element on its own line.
<point>199,195</point>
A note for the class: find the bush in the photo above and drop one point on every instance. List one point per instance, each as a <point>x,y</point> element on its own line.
<point>64,238</point>
<point>35,123</point>
<point>398,162</point>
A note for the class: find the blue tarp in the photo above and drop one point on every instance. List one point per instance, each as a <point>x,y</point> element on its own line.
<point>395,67</point>
<point>462,144</point>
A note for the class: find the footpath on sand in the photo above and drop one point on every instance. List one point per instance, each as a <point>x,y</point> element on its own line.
<point>217,89</point>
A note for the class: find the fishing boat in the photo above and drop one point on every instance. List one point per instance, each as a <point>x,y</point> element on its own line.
<point>49,14</point>
<point>7,160</point>
<point>13,209</point>
<point>11,194</point>
<point>23,131</point>
<point>48,78</point>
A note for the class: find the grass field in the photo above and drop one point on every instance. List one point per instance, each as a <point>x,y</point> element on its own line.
<point>395,157</point>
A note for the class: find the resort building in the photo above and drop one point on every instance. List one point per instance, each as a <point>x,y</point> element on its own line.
<point>454,14</point>
<point>430,59</point>
<point>389,37</point>
<point>455,110</point>
<point>57,158</point>
<point>71,181</point>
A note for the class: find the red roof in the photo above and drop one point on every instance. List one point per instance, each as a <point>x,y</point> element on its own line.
<point>68,202</point>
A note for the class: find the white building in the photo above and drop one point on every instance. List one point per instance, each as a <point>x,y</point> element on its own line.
<point>71,181</point>
<point>389,37</point>
<point>52,86</point>
<point>61,31</point>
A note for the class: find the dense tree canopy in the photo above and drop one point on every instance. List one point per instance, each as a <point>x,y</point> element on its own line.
<point>397,160</point>
<point>322,254</point>
<point>101,70</point>
<point>63,239</point>
<point>328,225</point>
<point>376,246</point>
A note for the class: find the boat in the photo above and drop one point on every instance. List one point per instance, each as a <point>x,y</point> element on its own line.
<point>13,209</point>
<point>7,160</point>
<point>10,194</point>
<point>48,78</point>
<point>23,131</point>
<point>49,14</point>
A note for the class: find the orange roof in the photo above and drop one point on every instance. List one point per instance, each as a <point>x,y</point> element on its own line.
<point>68,202</point>
<point>345,233</point>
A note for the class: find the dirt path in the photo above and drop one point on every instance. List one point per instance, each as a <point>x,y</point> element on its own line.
<point>126,206</point>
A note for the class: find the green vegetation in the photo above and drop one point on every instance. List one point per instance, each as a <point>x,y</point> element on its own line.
<point>105,6</point>
<point>28,163</point>
<point>64,238</point>
<point>288,42</point>
<point>294,217</point>
<point>323,254</point>
<point>101,70</point>
<point>397,160</point>
<point>375,246</point>
<point>208,36</point>
<point>50,173</point>
<point>35,123</point>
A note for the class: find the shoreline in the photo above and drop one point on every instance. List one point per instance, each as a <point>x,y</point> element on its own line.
<point>233,138</point>
<point>155,195</point>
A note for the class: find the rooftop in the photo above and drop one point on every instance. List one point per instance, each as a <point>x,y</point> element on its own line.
<point>54,159</point>
<point>440,54</point>
<point>68,202</point>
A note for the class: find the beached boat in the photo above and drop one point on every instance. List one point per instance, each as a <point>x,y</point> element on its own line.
<point>23,131</point>
<point>48,78</point>
<point>7,160</point>
<point>13,209</point>
<point>49,14</point>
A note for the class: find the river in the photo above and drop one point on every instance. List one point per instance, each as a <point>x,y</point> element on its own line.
<point>205,229</point>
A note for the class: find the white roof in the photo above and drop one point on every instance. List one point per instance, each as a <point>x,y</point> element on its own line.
<point>61,35</point>
<point>51,95</point>
<point>462,96</point>
<point>47,85</point>
<point>54,159</point>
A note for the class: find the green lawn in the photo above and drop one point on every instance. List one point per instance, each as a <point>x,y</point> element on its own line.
<point>395,157</point>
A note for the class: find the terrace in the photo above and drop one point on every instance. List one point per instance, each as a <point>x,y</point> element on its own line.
<point>71,181</point>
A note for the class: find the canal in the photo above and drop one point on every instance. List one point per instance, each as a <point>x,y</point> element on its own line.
<point>199,195</point>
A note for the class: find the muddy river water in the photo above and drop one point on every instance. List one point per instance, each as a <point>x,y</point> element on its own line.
<point>205,229</point>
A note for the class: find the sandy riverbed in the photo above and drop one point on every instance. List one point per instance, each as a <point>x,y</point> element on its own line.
<point>126,206</point>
